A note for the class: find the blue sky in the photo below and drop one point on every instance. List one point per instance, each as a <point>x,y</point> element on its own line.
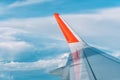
<point>31,43</point>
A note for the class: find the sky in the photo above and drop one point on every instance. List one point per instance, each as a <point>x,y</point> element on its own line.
<point>31,43</point>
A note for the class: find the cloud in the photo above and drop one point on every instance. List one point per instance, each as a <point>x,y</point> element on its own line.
<point>5,9</point>
<point>30,24</point>
<point>5,76</point>
<point>46,64</point>
<point>8,33</point>
<point>17,42</point>
<point>101,28</point>
<point>102,25</point>
<point>26,2</point>
<point>116,54</point>
<point>14,45</point>
<point>9,49</point>
<point>10,44</point>
<point>92,24</point>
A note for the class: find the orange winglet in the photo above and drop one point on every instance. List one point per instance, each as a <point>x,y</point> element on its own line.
<point>66,31</point>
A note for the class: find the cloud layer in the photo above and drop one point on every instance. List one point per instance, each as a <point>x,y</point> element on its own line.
<point>100,28</point>
<point>47,64</point>
<point>26,2</point>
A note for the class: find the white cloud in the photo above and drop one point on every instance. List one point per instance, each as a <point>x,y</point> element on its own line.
<point>116,54</point>
<point>30,24</point>
<point>26,2</point>
<point>5,76</point>
<point>9,49</point>
<point>14,45</point>
<point>102,27</point>
<point>89,24</point>
<point>47,64</point>
<point>8,33</point>
<point>5,9</point>
<point>8,38</point>
<point>9,44</point>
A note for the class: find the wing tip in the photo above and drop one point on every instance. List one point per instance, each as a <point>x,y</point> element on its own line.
<point>69,35</point>
<point>56,14</point>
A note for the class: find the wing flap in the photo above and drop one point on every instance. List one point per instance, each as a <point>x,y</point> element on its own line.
<point>103,66</point>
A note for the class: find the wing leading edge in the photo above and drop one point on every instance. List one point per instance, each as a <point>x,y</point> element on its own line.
<point>85,62</point>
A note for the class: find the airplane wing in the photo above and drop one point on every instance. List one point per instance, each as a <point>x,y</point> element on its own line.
<point>85,62</point>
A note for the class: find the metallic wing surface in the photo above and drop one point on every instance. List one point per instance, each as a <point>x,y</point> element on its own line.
<point>85,62</point>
